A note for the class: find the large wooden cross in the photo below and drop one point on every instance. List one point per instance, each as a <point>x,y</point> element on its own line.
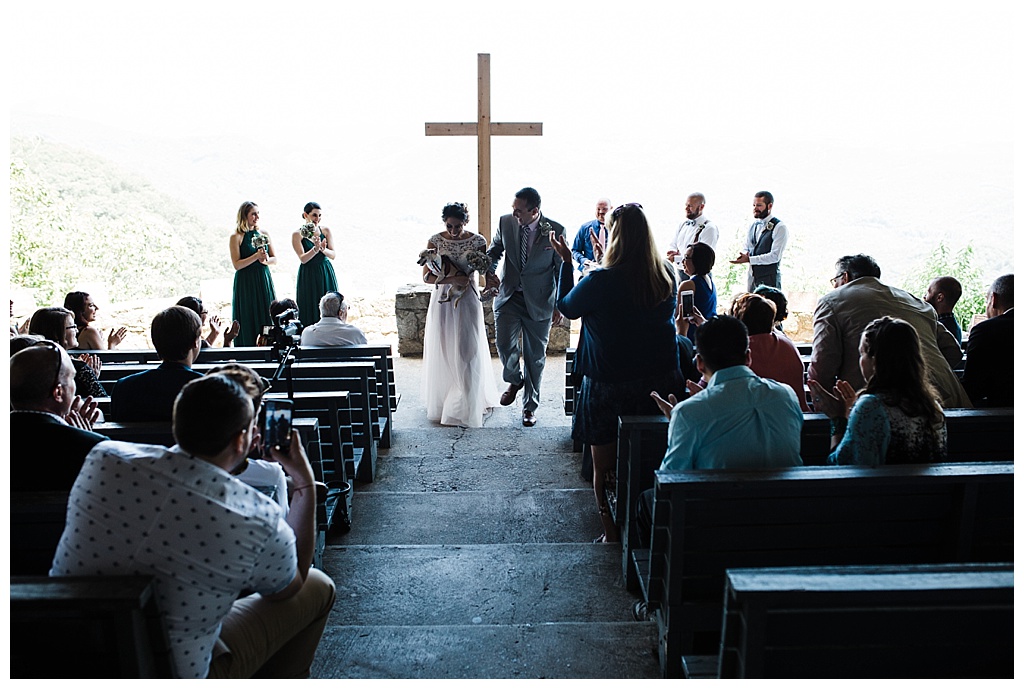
<point>484,129</point>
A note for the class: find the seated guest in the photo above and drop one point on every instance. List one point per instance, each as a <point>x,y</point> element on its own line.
<point>896,418</point>
<point>943,294</point>
<point>255,471</point>
<point>988,371</point>
<point>58,325</point>
<point>51,424</point>
<point>860,297</point>
<point>332,330</point>
<point>771,355</point>
<point>89,336</point>
<point>149,396</point>
<point>739,421</point>
<point>206,537</point>
<point>698,260</point>
<point>775,296</point>
<point>196,304</point>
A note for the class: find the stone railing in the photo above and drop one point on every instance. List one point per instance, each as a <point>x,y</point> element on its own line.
<point>411,302</point>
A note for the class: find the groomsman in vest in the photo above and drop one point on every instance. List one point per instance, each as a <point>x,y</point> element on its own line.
<point>525,304</point>
<point>766,240</point>
<point>696,228</point>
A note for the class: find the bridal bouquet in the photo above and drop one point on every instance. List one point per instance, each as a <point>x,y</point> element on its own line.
<point>260,241</point>
<point>308,231</point>
<point>477,260</point>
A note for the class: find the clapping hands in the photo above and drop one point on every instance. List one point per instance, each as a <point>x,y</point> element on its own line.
<point>92,361</point>
<point>836,404</point>
<point>83,413</point>
<point>116,337</point>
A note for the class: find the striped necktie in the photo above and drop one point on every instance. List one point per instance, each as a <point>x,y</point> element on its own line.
<point>524,250</point>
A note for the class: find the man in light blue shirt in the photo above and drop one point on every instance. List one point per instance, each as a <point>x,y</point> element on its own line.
<point>739,421</point>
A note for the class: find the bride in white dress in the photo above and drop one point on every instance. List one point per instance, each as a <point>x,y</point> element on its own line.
<point>458,384</point>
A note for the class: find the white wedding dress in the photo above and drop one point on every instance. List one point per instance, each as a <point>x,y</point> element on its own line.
<point>458,381</point>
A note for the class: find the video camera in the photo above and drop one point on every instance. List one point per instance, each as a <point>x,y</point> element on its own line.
<point>286,331</point>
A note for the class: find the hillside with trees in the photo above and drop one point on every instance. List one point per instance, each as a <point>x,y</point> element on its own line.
<point>78,219</point>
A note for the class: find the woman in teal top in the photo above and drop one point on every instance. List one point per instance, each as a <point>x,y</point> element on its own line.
<point>251,254</point>
<point>314,245</point>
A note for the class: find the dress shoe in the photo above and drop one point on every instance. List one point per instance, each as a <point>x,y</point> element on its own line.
<point>529,418</point>
<point>509,396</point>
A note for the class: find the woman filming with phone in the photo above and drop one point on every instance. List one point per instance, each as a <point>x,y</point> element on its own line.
<point>698,260</point>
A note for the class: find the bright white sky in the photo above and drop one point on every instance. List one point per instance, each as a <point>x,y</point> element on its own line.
<point>882,71</point>
<point>639,99</point>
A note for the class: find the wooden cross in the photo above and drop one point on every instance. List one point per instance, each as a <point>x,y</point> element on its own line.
<point>484,129</point>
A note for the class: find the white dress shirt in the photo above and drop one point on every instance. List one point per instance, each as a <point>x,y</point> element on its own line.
<point>687,232</point>
<point>780,235</point>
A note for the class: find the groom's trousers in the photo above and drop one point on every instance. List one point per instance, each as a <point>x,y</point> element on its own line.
<point>510,322</point>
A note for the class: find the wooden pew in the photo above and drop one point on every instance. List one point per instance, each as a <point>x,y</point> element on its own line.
<point>379,355</point>
<point>706,522</point>
<point>908,621</point>
<point>37,522</point>
<point>975,435</point>
<point>356,377</point>
<point>87,627</point>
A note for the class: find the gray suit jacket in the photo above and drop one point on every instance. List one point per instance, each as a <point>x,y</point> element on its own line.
<point>539,277</point>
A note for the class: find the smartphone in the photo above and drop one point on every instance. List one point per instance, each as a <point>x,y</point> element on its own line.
<point>277,424</point>
<point>687,297</point>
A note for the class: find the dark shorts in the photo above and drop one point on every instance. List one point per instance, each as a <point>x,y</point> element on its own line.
<point>600,404</point>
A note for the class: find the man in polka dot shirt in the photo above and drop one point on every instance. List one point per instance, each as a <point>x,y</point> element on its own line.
<point>177,514</point>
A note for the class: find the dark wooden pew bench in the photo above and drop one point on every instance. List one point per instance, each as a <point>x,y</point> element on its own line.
<point>975,435</point>
<point>706,522</point>
<point>886,621</point>
<point>87,627</point>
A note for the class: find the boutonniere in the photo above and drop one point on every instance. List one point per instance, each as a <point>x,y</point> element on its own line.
<point>544,226</point>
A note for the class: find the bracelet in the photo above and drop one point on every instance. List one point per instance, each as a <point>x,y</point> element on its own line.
<point>302,488</point>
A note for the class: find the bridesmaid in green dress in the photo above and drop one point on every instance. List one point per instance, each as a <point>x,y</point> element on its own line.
<point>254,289</point>
<point>316,275</point>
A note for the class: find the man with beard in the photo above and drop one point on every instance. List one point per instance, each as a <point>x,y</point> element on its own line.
<point>766,240</point>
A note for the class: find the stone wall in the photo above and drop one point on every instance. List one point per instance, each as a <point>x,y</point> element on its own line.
<point>411,302</point>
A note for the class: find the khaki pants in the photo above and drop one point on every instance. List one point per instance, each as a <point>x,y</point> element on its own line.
<point>267,638</point>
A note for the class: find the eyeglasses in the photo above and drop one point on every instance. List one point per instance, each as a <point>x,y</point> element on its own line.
<point>71,327</point>
<point>835,280</point>
<point>618,211</point>
<point>52,346</point>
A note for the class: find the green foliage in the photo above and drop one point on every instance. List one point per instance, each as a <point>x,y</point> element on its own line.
<point>962,266</point>
<point>76,218</point>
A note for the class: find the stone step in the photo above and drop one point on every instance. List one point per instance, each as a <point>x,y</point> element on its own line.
<point>472,517</point>
<point>431,473</point>
<point>563,650</point>
<point>467,585</point>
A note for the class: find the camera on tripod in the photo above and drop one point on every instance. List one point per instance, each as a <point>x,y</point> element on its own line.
<point>286,331</point>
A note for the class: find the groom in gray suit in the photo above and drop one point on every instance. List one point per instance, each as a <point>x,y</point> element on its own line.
<point>526,297</point>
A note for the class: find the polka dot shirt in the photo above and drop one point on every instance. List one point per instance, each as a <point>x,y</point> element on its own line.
<point>204,535</point>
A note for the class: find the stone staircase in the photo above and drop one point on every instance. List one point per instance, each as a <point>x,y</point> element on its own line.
<point>470,556</point>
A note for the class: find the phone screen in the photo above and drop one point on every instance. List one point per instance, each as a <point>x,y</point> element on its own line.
<point>277,424</point>
<point>687,303</point>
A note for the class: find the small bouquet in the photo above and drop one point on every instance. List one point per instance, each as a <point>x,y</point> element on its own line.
<point>308,231</point>
<point>260,241</point>
<point>477,260</point>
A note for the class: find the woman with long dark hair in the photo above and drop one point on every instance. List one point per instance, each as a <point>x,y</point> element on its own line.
<point>314,245</point>
<point>896,417</point>
<point>627,345</point>
<point>89,336</point>
<point>251,254</point>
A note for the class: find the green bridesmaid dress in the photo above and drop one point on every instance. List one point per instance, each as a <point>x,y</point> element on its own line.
<point>316,278</point>
<point>251,297</point>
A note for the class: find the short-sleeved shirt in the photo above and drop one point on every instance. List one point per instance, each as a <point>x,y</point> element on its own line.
<point>204,535</point>
<point>332,332</point>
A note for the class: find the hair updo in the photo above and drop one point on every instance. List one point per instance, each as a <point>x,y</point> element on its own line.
<point>455,210</point>
<point>310,206</point>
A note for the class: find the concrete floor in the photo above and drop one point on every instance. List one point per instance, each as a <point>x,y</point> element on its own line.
<point>470,556</point>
